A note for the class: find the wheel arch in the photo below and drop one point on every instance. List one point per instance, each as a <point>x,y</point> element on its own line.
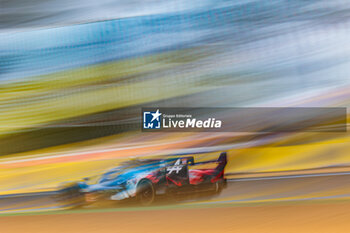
<point>140,191</point>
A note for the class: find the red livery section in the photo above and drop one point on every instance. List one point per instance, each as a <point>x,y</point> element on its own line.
<point>180,173</point>
<point>146,179</point>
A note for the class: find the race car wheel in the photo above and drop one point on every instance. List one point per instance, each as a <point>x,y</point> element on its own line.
<point>145,192</point>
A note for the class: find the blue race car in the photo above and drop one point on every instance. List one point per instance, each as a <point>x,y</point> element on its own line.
<point>143,180</point>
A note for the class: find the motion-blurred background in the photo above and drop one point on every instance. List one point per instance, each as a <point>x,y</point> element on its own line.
<point>75,74</point>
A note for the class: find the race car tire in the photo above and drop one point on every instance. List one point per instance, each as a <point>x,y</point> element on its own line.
<point>145,194</point>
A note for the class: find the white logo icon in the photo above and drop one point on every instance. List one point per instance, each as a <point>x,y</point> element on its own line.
<point>156,115</point>
<point>177,167</point>
<point>151,120</point>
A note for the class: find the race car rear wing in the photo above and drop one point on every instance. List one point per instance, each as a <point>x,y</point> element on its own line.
<point>221,160</point>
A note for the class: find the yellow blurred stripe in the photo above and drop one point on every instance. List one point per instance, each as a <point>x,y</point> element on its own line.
<point>55,97</point>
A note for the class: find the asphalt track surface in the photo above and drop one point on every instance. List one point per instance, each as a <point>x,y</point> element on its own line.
<point>244,191</point>
<point>299,203</point>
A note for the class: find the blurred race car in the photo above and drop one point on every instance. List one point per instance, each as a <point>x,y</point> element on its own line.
<point>143,180</point>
